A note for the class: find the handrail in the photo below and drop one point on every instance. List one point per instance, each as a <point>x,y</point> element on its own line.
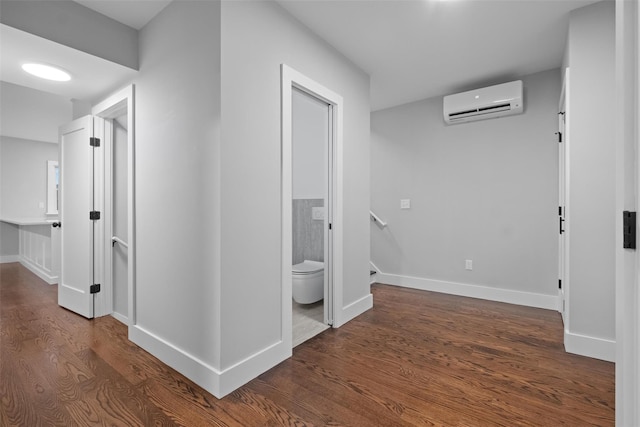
<point>375,218</point>
<point>115,240</point>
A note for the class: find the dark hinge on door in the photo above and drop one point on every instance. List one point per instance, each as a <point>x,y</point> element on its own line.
<point>559,283</point>
<point>559,136</point>
<point>560,210</point>
<point>94,215</point>
<point>561,222</point>
<point>628,230</point>
<point>94,142</point>
<point>94,289</point>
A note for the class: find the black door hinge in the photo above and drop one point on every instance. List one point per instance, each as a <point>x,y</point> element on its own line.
<point>559,136</point>
<point>330,227</point>
<point>560,210</point>
<point>629,230</point>
<point>94,142</point>
<point>561,225</point>
<point>559,283</point>
<point>94,215</point>
<point>94,289</point>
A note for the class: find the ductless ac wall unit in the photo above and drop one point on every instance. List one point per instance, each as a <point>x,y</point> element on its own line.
<point>486,103</point>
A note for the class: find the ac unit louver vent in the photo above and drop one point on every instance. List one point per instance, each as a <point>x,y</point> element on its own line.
<point>486,103</point>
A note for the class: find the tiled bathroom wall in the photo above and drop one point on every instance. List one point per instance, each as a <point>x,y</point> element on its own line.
<point>308,233</point>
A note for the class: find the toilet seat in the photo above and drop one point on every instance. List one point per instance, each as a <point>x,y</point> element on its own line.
<point>307,267</point>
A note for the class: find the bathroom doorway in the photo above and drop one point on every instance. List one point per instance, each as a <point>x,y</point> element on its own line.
<point>311,207</point>
<point>310,130</point>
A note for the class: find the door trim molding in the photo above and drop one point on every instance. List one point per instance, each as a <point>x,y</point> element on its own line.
<point>291,78</point>
<point>112,107</point>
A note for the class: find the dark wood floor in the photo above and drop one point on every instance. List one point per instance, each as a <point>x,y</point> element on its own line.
<point>417,358</point>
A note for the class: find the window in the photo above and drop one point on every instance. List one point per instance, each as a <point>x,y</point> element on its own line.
<point>53,178</point>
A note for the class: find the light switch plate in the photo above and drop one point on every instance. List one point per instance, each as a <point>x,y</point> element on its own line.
<point>405,204</point>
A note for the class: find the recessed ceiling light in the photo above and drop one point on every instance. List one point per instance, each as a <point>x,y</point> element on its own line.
<point>47,72</point>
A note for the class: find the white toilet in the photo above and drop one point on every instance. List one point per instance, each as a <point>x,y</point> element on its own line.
<point>308,282</point>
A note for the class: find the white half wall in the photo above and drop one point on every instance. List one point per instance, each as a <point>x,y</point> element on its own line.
<point>483,191</point>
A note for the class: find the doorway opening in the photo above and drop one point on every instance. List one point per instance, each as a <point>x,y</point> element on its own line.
<point>311,207</point>
<point>118,242</point>
<point>311,129</point>
<point>96,194</point>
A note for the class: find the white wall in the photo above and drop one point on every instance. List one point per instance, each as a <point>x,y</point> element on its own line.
<point>258,37</point>
<point>591,214</point>
<point>9,243</point>
<point>484,191</point>
<point>32,114</point>
<point>177,131</point>
<point>208,279</point>
<point>23,177</point>
<point>310,130</point>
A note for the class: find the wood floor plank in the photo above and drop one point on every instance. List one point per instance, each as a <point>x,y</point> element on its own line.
<point>416,358</point>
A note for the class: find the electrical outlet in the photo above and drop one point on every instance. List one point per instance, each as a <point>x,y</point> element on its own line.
<point>468,264</point>
<point>405,204</point>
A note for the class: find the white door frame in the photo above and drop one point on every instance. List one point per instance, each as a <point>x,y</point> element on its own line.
<point>290,79</point>
<point>564,118</point>
<point>627,137</point>
<point>112,107</point>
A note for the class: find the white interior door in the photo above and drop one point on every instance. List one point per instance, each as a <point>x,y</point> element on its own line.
<point>328,225</point>
<point>77,229</point>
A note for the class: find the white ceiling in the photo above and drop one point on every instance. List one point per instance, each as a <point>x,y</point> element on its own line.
<point>92,77</point>
<point>412,49</point>
<point>416,49</point>
<point>134,13</point>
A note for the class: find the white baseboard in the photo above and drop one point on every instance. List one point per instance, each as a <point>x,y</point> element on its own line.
<point>201,373</point>
<point>38,271</point>
<point>6,259</point>
<point>120,317</point>
<point>217,382</point>
<point>529,299</point>
<point>258,363</point>
<point>584,345</point>
<point>352,310</point>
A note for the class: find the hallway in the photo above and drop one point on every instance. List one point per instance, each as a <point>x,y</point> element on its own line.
<point>417,358</point>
